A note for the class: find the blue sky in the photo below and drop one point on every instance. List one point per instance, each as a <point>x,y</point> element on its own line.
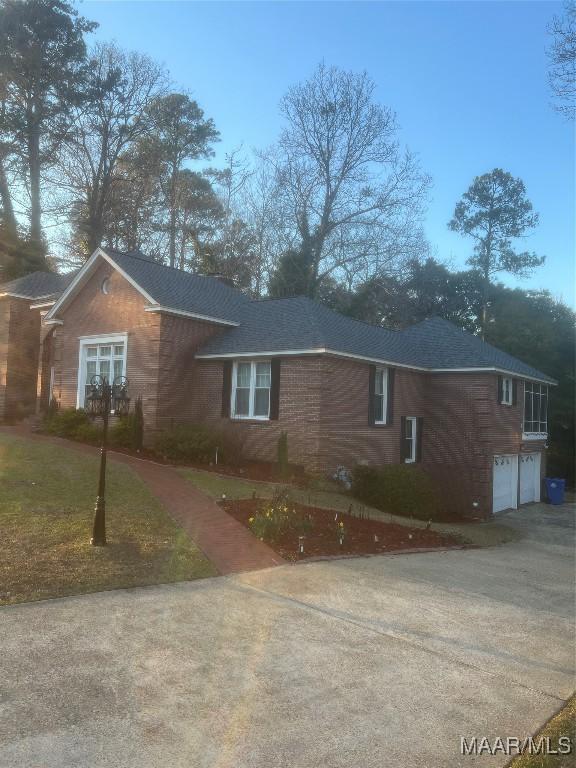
<point>468,81</point>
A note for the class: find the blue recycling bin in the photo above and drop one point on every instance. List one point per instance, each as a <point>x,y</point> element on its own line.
<point>555,489</point>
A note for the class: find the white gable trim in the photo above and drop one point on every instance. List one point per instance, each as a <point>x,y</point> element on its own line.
<point>82,277</point>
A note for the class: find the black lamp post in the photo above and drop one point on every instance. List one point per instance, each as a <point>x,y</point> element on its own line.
<point>102,399</point>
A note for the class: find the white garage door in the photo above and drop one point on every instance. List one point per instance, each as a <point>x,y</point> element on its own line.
<point>529,477</point>
<point>505,483</point>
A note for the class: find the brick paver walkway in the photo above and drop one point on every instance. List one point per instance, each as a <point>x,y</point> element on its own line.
<point>224,541</point>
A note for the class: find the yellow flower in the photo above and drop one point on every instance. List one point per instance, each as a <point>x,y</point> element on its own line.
<point>250,519</point>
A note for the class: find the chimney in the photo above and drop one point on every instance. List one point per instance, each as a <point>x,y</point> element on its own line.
<point>223,278</point>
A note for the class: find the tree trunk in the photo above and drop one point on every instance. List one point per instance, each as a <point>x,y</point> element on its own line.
<point>485,292</point>
<point>172,225</point>
<point>7,207</point>
<point>34,169</point>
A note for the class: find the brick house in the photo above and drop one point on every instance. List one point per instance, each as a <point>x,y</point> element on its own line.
<point>198,350</point>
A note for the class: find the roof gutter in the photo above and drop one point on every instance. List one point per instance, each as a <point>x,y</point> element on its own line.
<point>194,315</point>
<point>380,361</point>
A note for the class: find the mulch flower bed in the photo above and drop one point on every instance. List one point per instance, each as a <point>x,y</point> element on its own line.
<point>362,536</point>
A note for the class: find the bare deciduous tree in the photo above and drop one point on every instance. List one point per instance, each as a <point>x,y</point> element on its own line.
<point>350,191</point>
<point>562,55</point>
<point>121,87</point>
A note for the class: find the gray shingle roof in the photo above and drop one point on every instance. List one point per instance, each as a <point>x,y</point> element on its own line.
<point>282,325</point>
<point>179,290</point>
<point>440,344</point>
<point>38,285</point>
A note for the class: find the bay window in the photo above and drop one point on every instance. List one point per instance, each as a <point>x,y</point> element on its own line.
<point>535,408</point>
<point>251,382</point>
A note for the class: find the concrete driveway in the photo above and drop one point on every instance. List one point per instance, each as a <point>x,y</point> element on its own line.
<point>381,661</point>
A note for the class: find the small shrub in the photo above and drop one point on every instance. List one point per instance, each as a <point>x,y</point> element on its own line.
<point>197,443</point>
<point>88,433</point>
<point>138,425</point>
<point>278,517</point>
<point>282,452</point>
<point>399,489</point>
<point>66,422</point>
<point>121,432</point>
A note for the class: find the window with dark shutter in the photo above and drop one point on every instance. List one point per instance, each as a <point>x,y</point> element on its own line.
<point>419,436</point>
<point>275,389</point>
<point>226,388</point>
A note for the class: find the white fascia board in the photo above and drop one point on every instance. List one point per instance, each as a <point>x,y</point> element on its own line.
<point>318,351</point>
<point>506,372</point>
<point>43,305</point>
<point>381,361</point>
<point>28,298</point>
<point>194,315</point>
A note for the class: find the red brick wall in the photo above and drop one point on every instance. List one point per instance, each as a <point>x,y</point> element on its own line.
<point>19,349</point>
<point>180,337</point>
<point>121,310</point>
<point>346,436</point>
<point>300,394</point>
<point>324,409</point>
<point>465,427</point>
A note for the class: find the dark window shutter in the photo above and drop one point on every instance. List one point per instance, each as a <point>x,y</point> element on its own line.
<point>226,388</point>
<point>390,399</point>
<point>514,392</point>
<point>274,389</point>
<point>419,433</point>
<point>371,390</point>
<point>500,389</point>
<point>403,441</point>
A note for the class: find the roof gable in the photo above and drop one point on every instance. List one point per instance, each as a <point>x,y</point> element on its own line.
<point>164,288</point>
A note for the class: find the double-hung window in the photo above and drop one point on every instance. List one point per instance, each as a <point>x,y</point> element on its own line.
<point>104,357</point>
<point>380,395</point>
<point>251,390</point>
<point>410,438</point>
<point>535,408</point>
<point>507,395</point>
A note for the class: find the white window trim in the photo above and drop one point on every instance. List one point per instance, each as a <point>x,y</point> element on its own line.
<point>384,396</point>
<point>535,435</point>
<point>412,458</point>
<point>249,417</point>
<point>90,341</point>
<point>506,400</point>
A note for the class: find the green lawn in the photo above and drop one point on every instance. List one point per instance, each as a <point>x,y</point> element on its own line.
<point>214,485</point>
<point>563,724</point>
<point>47,497</point>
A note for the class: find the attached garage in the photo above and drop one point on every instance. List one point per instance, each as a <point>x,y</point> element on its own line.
<point>529,477</point>
<point>515,480</point>
<point>505,483</point>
